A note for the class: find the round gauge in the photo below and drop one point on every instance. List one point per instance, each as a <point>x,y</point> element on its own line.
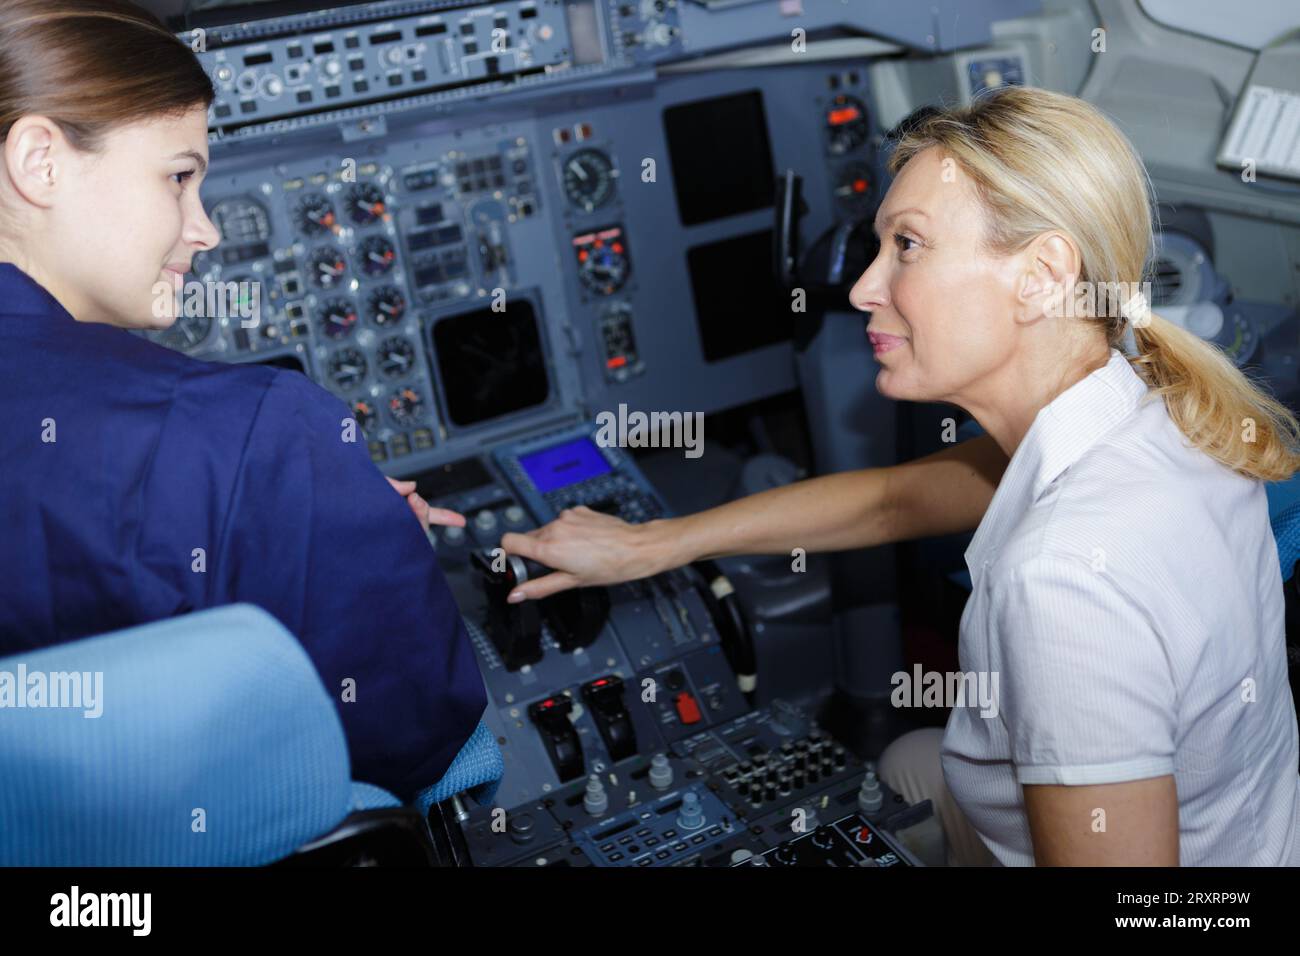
<point>315,215</point>
<point>387,306</point>
<point>347,368</point>
<point>337,318</point>
<point>187,333</point>
<point>365,415</point>
<point>603,267</point>
<point>376,256</point>
<point>241,221</point>
<point>853,187</point>
<point>396,357</point>
<point>846,125</point>
<point>365,203</point>
<point>326,267</point>
<point>588,179</point>
<point>405,405</point>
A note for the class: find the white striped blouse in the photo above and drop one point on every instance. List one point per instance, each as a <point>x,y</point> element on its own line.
<point>1128,609</point>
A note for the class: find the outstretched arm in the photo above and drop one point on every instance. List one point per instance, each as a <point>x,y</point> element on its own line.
<point>942,493</point>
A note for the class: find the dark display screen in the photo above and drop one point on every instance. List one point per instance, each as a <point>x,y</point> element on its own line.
<point>698,133</point>
<point>562,465</point>
<point>490,363</point>
<point>739,305</point>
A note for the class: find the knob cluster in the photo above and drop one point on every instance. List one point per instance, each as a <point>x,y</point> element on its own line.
<point>795,766</point>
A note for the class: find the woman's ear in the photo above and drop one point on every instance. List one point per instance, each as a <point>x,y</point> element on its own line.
<point>1050,268</point>
<point>31,158</point>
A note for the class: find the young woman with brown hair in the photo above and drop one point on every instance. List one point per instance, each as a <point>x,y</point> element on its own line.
<point>139,483</point>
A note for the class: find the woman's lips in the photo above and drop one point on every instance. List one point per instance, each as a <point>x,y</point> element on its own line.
<point>882,343</point>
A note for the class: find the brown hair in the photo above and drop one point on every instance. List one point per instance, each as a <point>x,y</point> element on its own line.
<point>1047,161</point>
<point>91,65</point>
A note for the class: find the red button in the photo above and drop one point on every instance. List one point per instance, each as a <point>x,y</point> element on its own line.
<point>687,709</point>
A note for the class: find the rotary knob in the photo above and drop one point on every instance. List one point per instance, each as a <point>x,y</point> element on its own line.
<point>823,838</point>
<point>870,795</point>
<point>522,828</point>
<point>691,815</point>
<point>595,801</point>
<point>661,772</point>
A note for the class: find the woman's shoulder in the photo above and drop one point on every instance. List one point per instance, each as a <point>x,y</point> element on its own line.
<point>1146,465</point>
<point>258,396</point>
<point>1144,505</point>
<point>123,369</point>
<point>188,408</point>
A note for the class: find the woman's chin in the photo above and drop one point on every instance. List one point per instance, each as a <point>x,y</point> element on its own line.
<point>162,314</point>
<point>891,385</point>
<point>887,383</point>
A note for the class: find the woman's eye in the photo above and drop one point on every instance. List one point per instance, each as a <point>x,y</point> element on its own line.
<point>180,178</point>
<point>900,239</point>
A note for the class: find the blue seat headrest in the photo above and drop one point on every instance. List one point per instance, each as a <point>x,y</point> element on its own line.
<point>206,739</point>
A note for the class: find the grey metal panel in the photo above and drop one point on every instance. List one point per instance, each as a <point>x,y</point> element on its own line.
<point>938,26</point>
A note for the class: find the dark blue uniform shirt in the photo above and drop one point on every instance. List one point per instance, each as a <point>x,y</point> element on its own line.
<point>156,455</point>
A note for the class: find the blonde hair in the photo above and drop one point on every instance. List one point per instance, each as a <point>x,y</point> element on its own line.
<point>1044,161</point>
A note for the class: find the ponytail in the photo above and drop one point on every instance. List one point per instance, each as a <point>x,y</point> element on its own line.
<point>1214,404</point>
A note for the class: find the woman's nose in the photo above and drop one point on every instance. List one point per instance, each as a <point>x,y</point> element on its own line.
<point>200,231</point>
<point>870,292</point>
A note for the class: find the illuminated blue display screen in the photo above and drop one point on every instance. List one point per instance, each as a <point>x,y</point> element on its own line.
<point>565,464</point>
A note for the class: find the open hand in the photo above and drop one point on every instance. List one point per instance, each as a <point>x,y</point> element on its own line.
<point>586,548</point>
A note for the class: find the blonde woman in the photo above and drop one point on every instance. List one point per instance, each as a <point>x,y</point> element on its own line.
<point>1127,594</point>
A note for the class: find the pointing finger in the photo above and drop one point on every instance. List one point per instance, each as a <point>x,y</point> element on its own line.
<point>543,587</point>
